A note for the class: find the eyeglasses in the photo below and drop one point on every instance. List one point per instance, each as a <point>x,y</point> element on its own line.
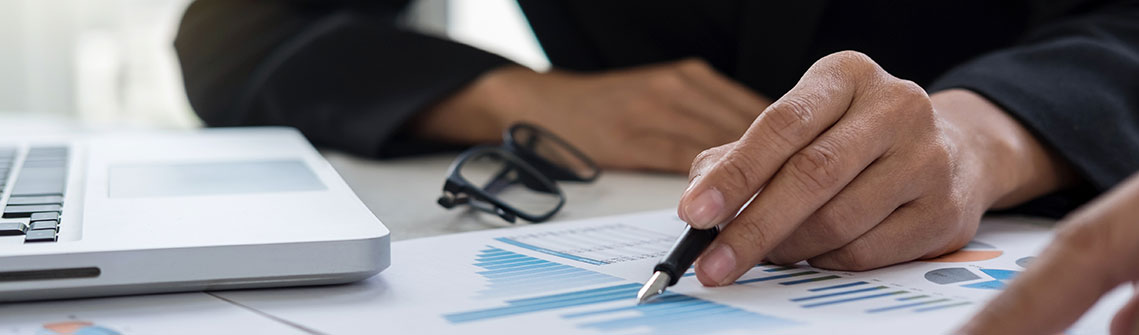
<point>517,179</point>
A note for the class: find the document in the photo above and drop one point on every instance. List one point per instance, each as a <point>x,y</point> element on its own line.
<point>166,314</point>
<point>581,278</point>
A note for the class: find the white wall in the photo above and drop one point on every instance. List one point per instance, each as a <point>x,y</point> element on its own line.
<point>497,26</point>
<point>112,61</point>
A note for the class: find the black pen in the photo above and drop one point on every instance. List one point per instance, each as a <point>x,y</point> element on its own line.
<point>680,257</point>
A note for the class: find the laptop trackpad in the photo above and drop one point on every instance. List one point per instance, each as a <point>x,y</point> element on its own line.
<point>159,180</point>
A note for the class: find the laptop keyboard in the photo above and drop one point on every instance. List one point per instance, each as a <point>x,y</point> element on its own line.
<point>37,193</point>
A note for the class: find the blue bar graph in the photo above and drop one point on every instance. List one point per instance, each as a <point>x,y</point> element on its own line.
<point>934,308</point>
<point>789,275</point>
<point>828,295</point>
<point>912,304</point>
<point>669,313</point>
<point>809,280</point>
<point>510,273</point>
<point>826,303</point>
<point>551,251</point>
<point>550,302</point>
<point>824,288</point>
<point>781,268</point>
<point>597,245</point>
<point>684,315</point>
<point>513,274</point>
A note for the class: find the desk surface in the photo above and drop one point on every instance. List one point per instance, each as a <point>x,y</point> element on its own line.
<point>402,194</point>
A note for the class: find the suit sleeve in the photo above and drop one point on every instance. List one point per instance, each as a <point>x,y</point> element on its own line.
<point>1074,82</point>
<point>344,73</point>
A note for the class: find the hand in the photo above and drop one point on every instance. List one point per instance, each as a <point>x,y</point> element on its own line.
<point>1093,252</point>
<point>656,117</point>
<point>856,169</point>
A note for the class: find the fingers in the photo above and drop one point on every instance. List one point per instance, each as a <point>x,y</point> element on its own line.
<point>682,108</point>
<point>745,102</point>
<point>709,112</point>
<point>820,98</point>
<point>686,126</point>
<point>911,222</point>
<point>862,205</point>
<point>1126,321</point>
<point>1045,299</point>
<point>1089,257</point>
<point>809,179</point>
<point>711,98</point>
<point>662,151</point>
<point>706,159</point>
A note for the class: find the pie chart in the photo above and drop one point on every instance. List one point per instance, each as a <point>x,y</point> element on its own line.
<point>76,328</point>
<point>972,252</point>
<point>988,279</point>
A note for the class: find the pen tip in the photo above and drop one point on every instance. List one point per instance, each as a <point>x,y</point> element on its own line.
<point>654,287</point>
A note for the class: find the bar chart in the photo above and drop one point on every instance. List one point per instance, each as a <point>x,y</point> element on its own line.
<point>828,289</point>
<point>509,273</point>
<point>601,245</point>
<point>671,313</point>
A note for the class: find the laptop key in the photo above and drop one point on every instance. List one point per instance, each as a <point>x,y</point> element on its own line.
<point>36,200</point>
<point>12,228</point>
<point>50,224</point>
<point>40,181</point>
<point>45,216</point>
<point>42,235</point>
<point>23,211</point>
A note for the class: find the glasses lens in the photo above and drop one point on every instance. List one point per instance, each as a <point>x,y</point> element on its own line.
<point>504,180</point>
<point>554,150</point>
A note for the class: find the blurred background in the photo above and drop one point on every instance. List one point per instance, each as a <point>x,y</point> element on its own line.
<point>112,62</point>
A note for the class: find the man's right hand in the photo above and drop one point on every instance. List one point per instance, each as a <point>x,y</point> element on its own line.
<point>656,117</point>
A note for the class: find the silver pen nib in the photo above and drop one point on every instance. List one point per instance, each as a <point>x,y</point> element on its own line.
<point>654,287</point>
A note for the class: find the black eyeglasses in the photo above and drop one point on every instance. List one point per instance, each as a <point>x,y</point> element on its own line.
<point>517,179</point>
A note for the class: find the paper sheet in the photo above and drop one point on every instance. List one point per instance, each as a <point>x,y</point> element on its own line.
<point>581,277</point>
<point>167,314</point>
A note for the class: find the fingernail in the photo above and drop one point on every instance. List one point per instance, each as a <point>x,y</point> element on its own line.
<point>718,263</point>
<point>703,209</point>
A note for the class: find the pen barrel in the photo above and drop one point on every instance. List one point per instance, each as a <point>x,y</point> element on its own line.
<point>685,251</point>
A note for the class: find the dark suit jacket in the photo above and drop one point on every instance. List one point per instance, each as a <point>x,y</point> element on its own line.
<point>349,76</point>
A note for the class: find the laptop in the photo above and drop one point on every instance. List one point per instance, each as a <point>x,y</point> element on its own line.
<point>213,209</point>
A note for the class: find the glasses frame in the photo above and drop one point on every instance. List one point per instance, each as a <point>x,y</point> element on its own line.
<point>550,169</point>
<point>533,168</point>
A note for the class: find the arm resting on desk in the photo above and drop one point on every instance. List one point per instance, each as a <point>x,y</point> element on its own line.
<point>343,72</point>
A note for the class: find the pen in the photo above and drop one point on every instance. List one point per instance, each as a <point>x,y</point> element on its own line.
<point>679,258</point>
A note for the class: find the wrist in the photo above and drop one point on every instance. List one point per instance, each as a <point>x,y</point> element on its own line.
<point>477,113</point>
<point>1012,165</point>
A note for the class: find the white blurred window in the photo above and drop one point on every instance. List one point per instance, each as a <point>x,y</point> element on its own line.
<point>113,61</point>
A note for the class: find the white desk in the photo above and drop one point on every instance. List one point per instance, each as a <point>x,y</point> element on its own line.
<point>402,194</point>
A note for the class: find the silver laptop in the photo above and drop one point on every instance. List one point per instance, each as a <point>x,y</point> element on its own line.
<point>214,209</point>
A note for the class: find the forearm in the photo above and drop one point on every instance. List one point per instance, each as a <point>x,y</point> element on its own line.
<point>478,113</point>
<point>1072,84</point>
<point>348,77</point>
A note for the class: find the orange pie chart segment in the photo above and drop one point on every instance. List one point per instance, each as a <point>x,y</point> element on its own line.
<point>973,252</point>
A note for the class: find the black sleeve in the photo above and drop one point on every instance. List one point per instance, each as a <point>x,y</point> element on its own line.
<point>1074,82</point>
<point>343,72</point>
